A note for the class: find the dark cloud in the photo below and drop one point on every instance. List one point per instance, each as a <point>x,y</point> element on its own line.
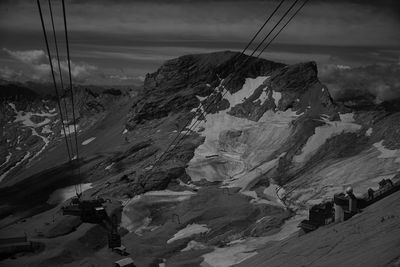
<point>137,36</point>
<point>382,81</point>
<point>35,66</point>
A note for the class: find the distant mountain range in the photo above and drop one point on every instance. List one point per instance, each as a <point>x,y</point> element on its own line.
<point>34,89</point>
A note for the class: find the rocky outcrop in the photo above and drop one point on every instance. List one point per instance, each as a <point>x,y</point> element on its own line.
<point>176,85</point>
<point>297,87</point>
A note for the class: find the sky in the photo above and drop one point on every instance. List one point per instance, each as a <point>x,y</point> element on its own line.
<point>119,41</point>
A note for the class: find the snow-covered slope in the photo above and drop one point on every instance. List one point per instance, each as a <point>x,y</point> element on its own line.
<point>293,140</point>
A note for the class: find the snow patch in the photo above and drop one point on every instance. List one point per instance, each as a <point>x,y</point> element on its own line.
<point>161,196</point>
<point>263,97</point>
<point>252,151</point>
<point>131,206</point>
<point>247,90</point>
<point>144,227</point>
<point>276,96</point>
<point>189,230</point>
<point>275,193</point>
<point>368,132</point>
<point>25,117</point>
<point>201,98</point>
<point>347,117</point>
<point>109,166</point>
<point>149,167</point>
<point>8,157</point>
<point>125,131</point>
<point>228,256</point>
<point>44,139</point>
<point>87,141</point>
<point>260,140</point>
<point>343,67</point>
<point>238,252</point>
<point>168,192</point>
<point>199,166</point>
<point>194,245</point>
<point>323,133</point>
<point>46,130</point>
<point>62,194</point>
<point>27,155</point>
<point>192,186</point>
<point>272,196</point>
<point>250,178</point>
<point>387,153</point>
<point>69,129</point>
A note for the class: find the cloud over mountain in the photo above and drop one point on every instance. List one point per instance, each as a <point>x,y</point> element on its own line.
<point>380,82</point>
<point>35,66</point>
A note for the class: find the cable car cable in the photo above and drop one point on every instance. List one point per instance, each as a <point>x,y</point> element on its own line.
<point>53,76</point>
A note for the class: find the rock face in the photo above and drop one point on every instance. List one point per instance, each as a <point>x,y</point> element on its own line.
<point>175,91</point>
<point>177,85</point>
<point>296,87</point>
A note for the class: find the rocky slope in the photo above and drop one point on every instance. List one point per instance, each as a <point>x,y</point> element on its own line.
<point>30,123</point>
<point>244,174</point>
<point>369,239</point>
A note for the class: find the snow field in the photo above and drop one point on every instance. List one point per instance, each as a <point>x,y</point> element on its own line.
<point>87,141</point>
<point>323,133</point>
<point>189,230</point>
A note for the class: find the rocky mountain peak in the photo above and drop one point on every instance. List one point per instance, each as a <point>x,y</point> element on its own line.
<point>295,78</point>
<point>177,85</point>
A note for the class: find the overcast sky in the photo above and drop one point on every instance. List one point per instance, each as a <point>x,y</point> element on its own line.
<point>118,42</point>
